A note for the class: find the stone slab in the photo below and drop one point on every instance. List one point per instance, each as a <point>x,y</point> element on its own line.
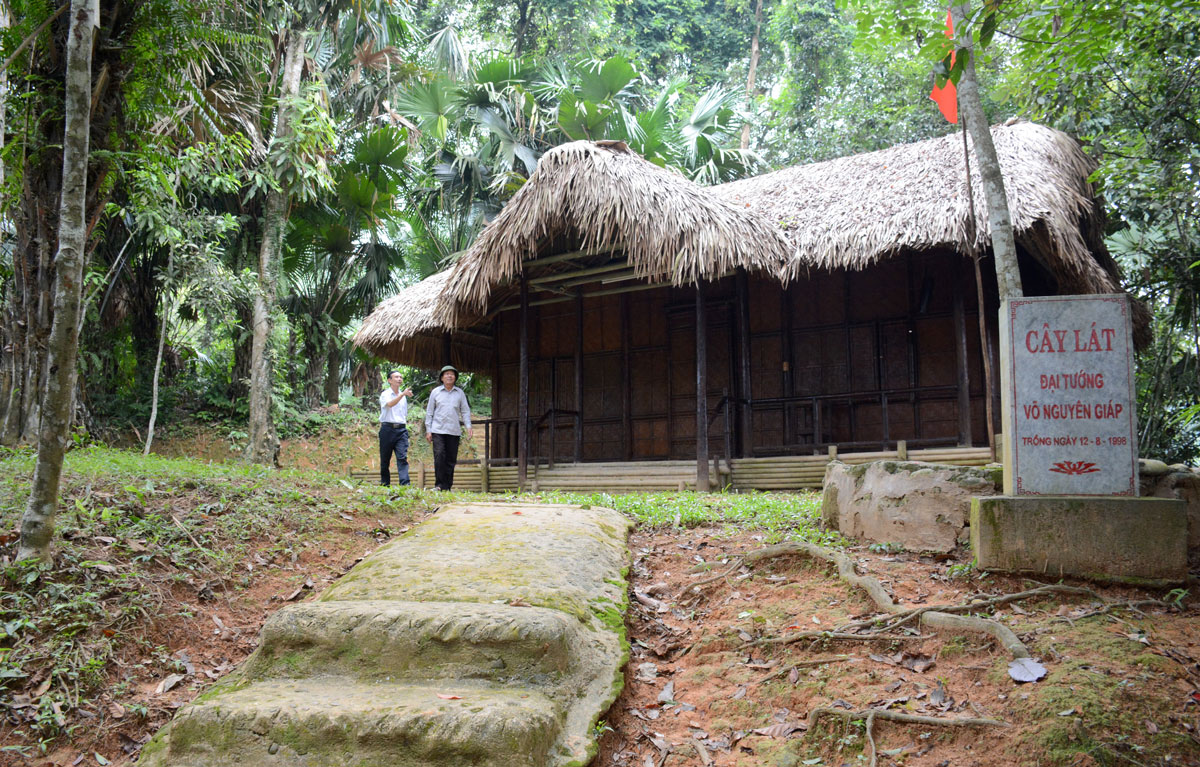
<point>489,635</point>
<point>1068,406</point>
<point>376,640</point>
<point>921,506</point>
<point>1133,540</point>
<point>328,722</point>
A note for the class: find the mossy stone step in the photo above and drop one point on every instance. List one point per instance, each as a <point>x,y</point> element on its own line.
<point>556,556</point>
<point>517,609</point>
<point>328,722</point>
<point>417,640</point>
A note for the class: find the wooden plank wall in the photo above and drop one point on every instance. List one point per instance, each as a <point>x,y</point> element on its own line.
<point>775,473</point>
<point>833,345</point>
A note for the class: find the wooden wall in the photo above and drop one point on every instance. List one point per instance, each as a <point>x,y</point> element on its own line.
<point>824,356</point>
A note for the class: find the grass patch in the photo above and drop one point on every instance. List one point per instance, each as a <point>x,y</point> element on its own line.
<point>142,541</point>
<point>780,516</point>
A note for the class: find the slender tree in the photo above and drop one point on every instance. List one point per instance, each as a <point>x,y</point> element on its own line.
<point>37,525</point>
<point>263,444</point>
<point>1004,247</point>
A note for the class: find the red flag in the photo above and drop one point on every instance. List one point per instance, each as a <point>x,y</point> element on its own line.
<point>947,97</point>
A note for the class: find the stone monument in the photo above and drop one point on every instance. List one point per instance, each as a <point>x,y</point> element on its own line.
<point>1070,504</point>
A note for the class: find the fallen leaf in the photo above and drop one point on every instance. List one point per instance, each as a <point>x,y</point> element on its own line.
<point>449,697</point>
<point>668,693</point>
<point>794,675</point>
<point>741,693</point>
<point>43,688</point>
<point>1068,712</point>
<point>518,602</point>
<point>893,686</point>
<point>116,710</point>
<point>779,730</point>
<point>703,752</point>
<point>938,696</point>
<point>1151,727</point>
<point>1026,670</point>
<point>166,684</point>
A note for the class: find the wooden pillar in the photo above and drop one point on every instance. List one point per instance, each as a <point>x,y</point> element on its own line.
<point>743,304</point>
<point>446,360</point>
<point>579,376</point>
<point>960,359</point>
<point>627,382</point>
<point>786,345</point>
<point>701,391</point>
<point>523,394</point>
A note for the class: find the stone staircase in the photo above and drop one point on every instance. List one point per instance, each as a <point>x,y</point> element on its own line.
<point>490,635</point>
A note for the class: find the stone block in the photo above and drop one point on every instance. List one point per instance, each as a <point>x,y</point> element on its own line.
<point>1184,484</point>
<point>921,506</point>
<point>1132,540</point>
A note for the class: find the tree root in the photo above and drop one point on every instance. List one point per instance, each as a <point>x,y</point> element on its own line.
<point>940,617</point>
<point>870,715</point>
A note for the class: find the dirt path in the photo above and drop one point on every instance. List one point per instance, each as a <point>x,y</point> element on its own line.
<point>1123,687</point>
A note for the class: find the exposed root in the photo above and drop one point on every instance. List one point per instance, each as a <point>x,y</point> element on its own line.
<point>871,714</point>
<point>939,617</point>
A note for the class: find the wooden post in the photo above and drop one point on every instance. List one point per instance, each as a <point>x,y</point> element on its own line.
<point>483,458</point>
<point>960,358</point>
<point>446,349</point>
<point>523,394</point>
<point>902,450</point>
<point>743,304</point>
<point>627,382</point>
<point>421,475</point>
<point>701,392</point>
<point>579,376</point>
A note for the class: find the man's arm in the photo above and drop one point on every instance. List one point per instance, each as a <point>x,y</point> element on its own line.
<point>429,415</point>
<point>466,412</point>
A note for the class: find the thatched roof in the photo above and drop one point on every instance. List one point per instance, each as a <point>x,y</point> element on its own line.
<point>602,195</point>
<point>854,211</point>
<point>410,327</point>
<point>851,212</point>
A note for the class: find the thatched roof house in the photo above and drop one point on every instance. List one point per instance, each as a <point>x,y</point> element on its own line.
<point>825,284</point>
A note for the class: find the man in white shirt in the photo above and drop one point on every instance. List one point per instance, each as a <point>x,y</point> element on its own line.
<point>447,406</point>
<point>393,430</point>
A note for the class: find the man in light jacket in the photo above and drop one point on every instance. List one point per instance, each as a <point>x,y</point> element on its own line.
<point>447,406</point>
<point>393,429</point>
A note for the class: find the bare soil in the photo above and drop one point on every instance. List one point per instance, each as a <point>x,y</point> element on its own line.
<point>1122,687</point>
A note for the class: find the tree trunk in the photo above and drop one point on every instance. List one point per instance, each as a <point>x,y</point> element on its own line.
<point>1004,247</point>
<point>753,71</point>
<point>37,525</point>
<point>263,443</point>
<point>162,341</point>
<point>333,371</point>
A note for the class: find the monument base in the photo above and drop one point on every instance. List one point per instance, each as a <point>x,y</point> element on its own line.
<point>1131,540</point>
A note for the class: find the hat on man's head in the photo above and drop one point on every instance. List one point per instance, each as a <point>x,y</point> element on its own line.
<point>444,369</point>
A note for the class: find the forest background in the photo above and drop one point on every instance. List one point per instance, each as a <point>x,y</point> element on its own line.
<point>261,175</point>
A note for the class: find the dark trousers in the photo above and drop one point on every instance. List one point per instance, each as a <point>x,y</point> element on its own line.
<point>445,456</point>
<point>393,439</point>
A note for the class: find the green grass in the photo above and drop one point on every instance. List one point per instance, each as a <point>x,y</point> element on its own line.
<point>134,532</point>
<point>780,516</point>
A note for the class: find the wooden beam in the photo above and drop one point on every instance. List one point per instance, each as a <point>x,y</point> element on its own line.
<point>612,266</point>
<point>701,391</point>
<point>960,359</point>
<point>572,255</point>
<point>523,395</point>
